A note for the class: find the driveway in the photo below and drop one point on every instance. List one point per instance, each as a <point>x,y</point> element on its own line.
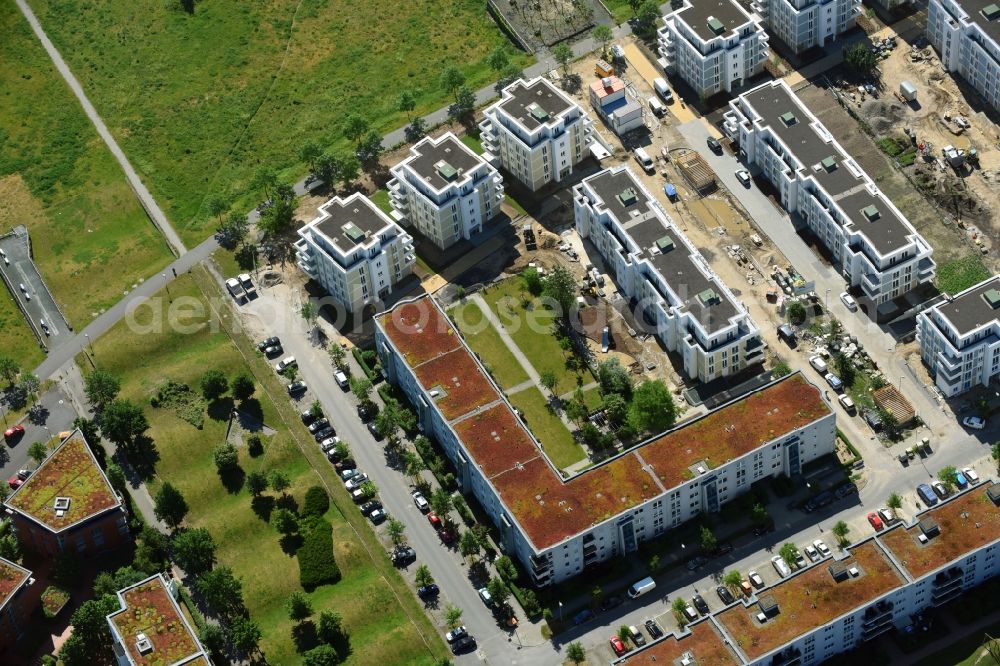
<point>59,416</point>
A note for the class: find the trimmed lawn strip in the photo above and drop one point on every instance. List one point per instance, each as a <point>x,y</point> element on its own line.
<point>487,344</point>
<point>620,10</point>
<point>473,143</point>
<point>960,274</point>
<point>592,398</point>
<point>381,199</point>
<point>198,101</point>
<point>245,542</point>
<point>19,342</point>
<point>91,239</point>
<point>557,441</point>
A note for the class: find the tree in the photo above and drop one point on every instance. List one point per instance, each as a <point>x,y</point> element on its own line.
<point>563,53</point>
<point>310,152</point>
<point>284,521</point>
<point>316,502</point>
<point>277,217</point>
<point>560,286</point>
<point>498,591</point>
<point>789,553</point>
<point>576,408</point>
<point>222,590</point>
<point>245,635</point>
<point>170,506</point>
<point>101,387</point>
<point>840,531</point>
<point>347,168</point>
<point>796,313</point>
<point>279,480</point>
<point>623,634</point>
<point>370,150</point>
<point>29,386</point>
<point>859,58</point>
<point>109,583</point>
<point>265,178</point>
<point>506,568</point>
<point>613,378</point>
<point>602,35</point>
<point>464,105</point>
<point>361,387</point>
<point>338,356</point>
<point>89,429</point>
<point>595,596</point>
<point>652,408</point>
<point>415,130</point>
<point>440,501</point>
<point>414,465</point>
<point>91,632</point>
<point>732,580</point>
<point>758,514</point>
<point>615,408</point>
<point>845,368</point>
<point>308,312</point>
<point>226,458</point>
<point>948,476</point>
<point>468,545</point>
<point>452,617</point>
<point>122,422</point>
<point>194,550</point>
<point>780,369</point>
<point>38,452</point>
<point>233,230</point>
<point>355,127</point>
<point>9,369</point>
<point>654,564</point>
<point>532,281</point>
<point>452,79</point>
<point>321,655</point>
<point>548,379</point>
<point>708,541</point>
<point>423,576</point>
<point>388,420</point>
<point>649,12</point>
<point>216,205</point>
<point>895,502</point>
<point>299,607</point>
<point>214,640</point>
<point>256,483</point>
<point>679,607</point>
<point>243,386</point>
<point>576,653</point>
<point>509,74</point>
<point>331,628</point>
<point>406,102</point>
<point>396,529</point>
<point>152,554</point>
<point>498,59</point>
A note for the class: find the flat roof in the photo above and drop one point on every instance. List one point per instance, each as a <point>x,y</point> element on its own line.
<point>823,158</point>
<point>430,160</point>
<point>614,85</point>
<point>702,641</point>
<point>966,522</point>
<point>677,265</point>
<point>811,599</point>
<point>12,578</point>
<point>698,13</point>
<point>549,508</point>
<point>970,309</point>
<point>534,103</point>
<point>975,9</point>
<point>70,472</point>
<point>148,608</point>
<point>350,222</point>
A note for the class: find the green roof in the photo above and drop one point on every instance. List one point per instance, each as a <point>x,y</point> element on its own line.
<point>788,118</point>
<point>992,297</point>
<point>445,170</point>
<point>715,25</point>
<point>829,163</point>
<point>356,235</point>
<point>538,113</point>
<point>870,212</point>
<point>991,12</point>
<point>665,244</point>
<point>628,196</point>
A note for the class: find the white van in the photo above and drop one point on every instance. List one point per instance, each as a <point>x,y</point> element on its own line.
<point>818,364</point>
<point>657,108</point>
<point>660,85</point>
<point>641,587</point>
<point>781,566</point>
<point>644,160</point>
<point>341,379</point>
<point>846,402</point>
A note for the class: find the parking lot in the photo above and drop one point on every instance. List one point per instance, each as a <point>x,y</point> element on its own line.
<point>43,314</point>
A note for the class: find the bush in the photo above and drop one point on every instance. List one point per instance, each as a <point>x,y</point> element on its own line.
<point>316,503</point>
<point>367,361</point>
<point>463,510</point>
<point>317,565</point>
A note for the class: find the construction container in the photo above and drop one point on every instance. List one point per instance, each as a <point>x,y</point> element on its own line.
<point>908,91</point>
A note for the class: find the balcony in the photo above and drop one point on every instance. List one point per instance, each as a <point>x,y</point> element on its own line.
<point>946,586</point>
<point>540,565</point>
<point>925,269</point>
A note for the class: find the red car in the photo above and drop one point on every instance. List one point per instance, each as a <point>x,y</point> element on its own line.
<point>18,479</point>
<point>447,536</point>
<point>875,521</point>
<point>617,645</point>
<point>13,433</point>
<point>434,520</point>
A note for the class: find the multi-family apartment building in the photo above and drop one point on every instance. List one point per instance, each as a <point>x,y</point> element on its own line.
<point>654,265</point>
<point>68,505</point>
<point>852,596</point>
<point>149,627</point>
<point>17,604</point>
<point>960,338</point>
<point>558,526</point>
<point>445,190</point>
<point>803,24</point>
<point>354,251</point>
<point>537,132</point>
<point>966,35</point>
<point>713,45</point>
<point>868,239</point>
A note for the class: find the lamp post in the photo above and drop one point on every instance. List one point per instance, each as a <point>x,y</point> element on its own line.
<point>91,344</point>
<point>560,611</point>
<point>166,285</point>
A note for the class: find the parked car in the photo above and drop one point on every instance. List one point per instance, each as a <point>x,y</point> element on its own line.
<point>433,519</point>
<point>456,633</point>
<point>368,507</point>
<point>636,636</point>
<point>428,591</point>
<point>271,352</point>
<point>818,364</point>
<point>834,382</point>
<point>308,417</point>
<point>349,473</point>
<point>366,412</point>
<point>318,425</point>
<point>755,579</point>
<point>845,489</point>
<point>232,286</point>
<point>447,535</point>
<point>15,482</point>
<point>787,333</point>
<point>714,145</point>
<point>617,645</point>
<point>743,176</point>
<point>823,549</point>
<point>811,553</point>
<point>270,342</point>
<point>284,363</point>
<point>971,475</point>
<point>974,422</point>
<point>356,480</point>
<point>779,564</point>
<point>484,594</point>
<point>245,281</point>
<point>583,616</point>
<point>888,517</point>
<point>700,604</point>
<point>960,480</point>
<point>724,594</point>
<point>653,629</point>
<point>463,645</point>
<point>13,433</point>
<point>377,516</point>
<point>403,554</point>
<point>927,494</point>
<point>324,433</point>
<point>345,464</point>
<point>327,444</point>
<point>875,521</point>
<point>421,501</point>
<point>297,387</point>
<point>939,488</point>
<point>848,301</point>
<point>373,429</point>
<point>696,562</point>
<point>341,380</point>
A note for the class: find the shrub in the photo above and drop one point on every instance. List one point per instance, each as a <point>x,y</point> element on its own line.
<point>317,565</point>
<point>316,503</point>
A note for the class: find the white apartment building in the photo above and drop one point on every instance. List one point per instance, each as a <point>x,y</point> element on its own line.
<point>355,251</point>
<point>960,338</point>
<point>714,45</point>
<point>536,132</point>
<point>966,36</point>
<point>803,24</point>
<point>557,525</point>
<point>690,310</point>
<point>852,596</point>
<point>869,240</point>
<point>445,190</point>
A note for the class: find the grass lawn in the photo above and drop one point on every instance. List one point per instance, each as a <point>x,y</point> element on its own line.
<point>90,237</point>
<point>487,343</point>
<point>557,441</point>
<point>474,143</point>
<point>960,274</point>
<point>513,204</point>
<point>592,398</point>
<point>19,342</point>
<point>381,628</point>
<point>620,11</point>
<point>965,652</point>
<point>381,199</point>
<point>532,330</point>
<point>200,100</point>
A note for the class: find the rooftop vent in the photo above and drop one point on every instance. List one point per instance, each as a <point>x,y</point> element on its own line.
<point>838,570</point>
<point>353,233</point>
<point>992,298</point>
<point>665,244</point>
<point>929,527</point>
<point>435,393</point>
<point>993,492</point>
<point>854,571</point>
<point>687,659</point>
<point>991,12</point>
<point>628,196</point>
<point>62,503</point>
<point>788,118</point>
<point>715,25</point>
<point>142,643</point>
<point>446,171</point>
<point>768,605</point>
<point>829,163</point>
<point>709,297</point>
<point>537,112</point>
<point>871,213</point>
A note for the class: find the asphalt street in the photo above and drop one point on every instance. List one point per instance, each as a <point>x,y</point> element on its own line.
<point>18,269</point>
<point>59,414</point>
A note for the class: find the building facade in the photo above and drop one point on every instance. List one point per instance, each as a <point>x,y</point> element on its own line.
<point>960,338</point>
<point>713,45</point>
<point>355,251</point>
<point>17,604</point>
<point>966,36</point>
<point>654,265</point>
<point>536,133</point>
<point>558,525</point>
<point>868,239</point>
<point>803,24</point>
<point>445,190</point>
<point>68,505</point>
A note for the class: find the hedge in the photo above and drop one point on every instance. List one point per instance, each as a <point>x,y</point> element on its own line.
<point>316,503</point>
<point>317,565</point>
<point>372,373</point>
<point>847,443</point>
